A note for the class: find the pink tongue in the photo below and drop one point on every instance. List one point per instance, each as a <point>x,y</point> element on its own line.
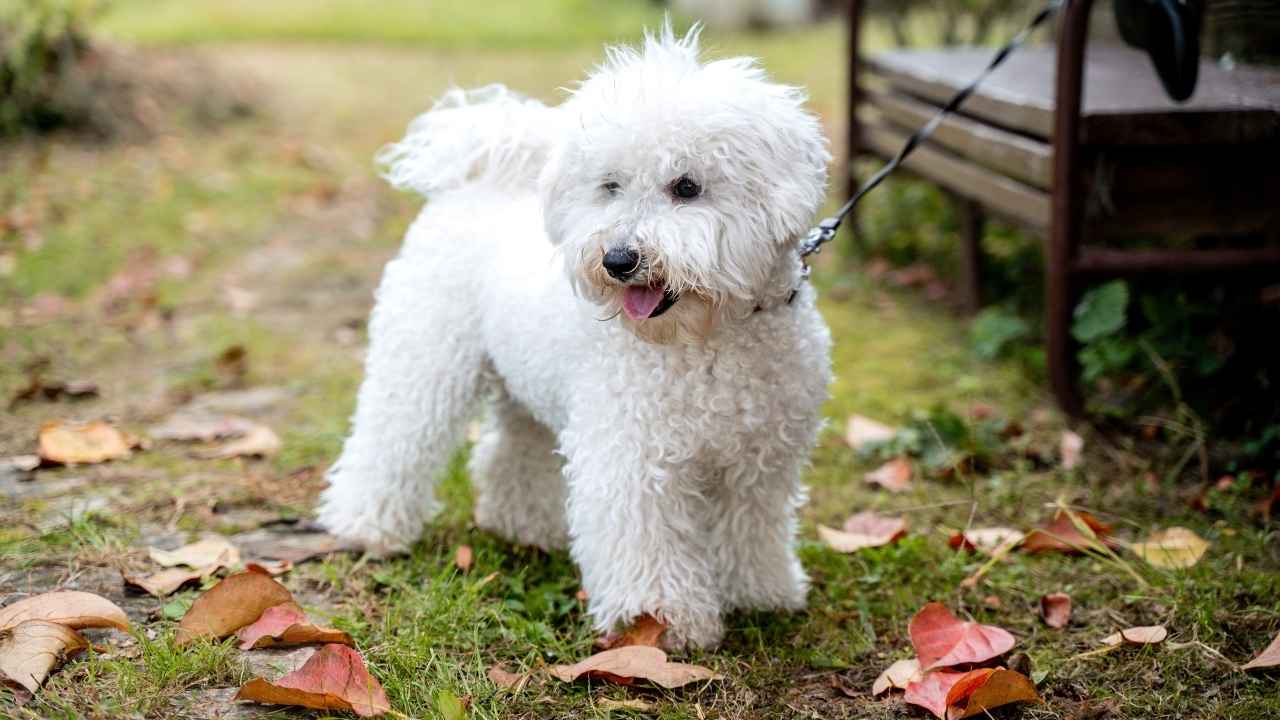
<point>638,302</point>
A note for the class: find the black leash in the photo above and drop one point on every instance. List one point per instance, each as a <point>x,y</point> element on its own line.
<point>825,232</point>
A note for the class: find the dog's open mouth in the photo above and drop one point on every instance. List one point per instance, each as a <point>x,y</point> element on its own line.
<point>643,302</point>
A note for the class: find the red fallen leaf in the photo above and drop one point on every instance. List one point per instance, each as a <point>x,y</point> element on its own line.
<point>287,624</point>
<point>335,678</point>
<point>230,605</point>
<point>930,692</point>
<point>1055,609</point>
<point>941,639</point>
<point>1268,658</point>
<point>986,688</point>
<point>625,665</point>
<point>463,558</point>
<point>71,608</point>
<point>985,539</point>
<point>1061,534</point>
<point>894,475</point>
<point>898,675</point>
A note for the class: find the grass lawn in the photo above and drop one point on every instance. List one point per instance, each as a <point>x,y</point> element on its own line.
<point>138,265</point>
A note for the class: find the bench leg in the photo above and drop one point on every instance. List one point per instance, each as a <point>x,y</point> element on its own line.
<point>972,222</point>
<point>1061,295</point>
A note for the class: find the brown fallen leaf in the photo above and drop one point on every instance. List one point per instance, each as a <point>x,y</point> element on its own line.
<point>230,605</point>
<point>261,441</point>
<point>463,558</point>
<point>864,530</point>
<point>894,475</point>
<point>624,665</point>
<point>862,432</point>
<point>1061,534</point>
<point>930,691</point>
<point>508,680</point>
<point>1055,610</point>
<point>273,568</point>
<point>1144,635</point>
<point>1070,450</point>
<point>942,640</point>
<point>335,678</point>
<point>202,427</point>
<point>985,539</point>
<point>287,624</point>
<point>213,550</point>
<point>168,581</point>
<point>983,689</point>
<point>1268,658</point>
<point>645,630</point>
<point>72,608</point>
<point>898,675</point>
<point>30,650</point>
<point>1175,548</point>
<point>67,443</point>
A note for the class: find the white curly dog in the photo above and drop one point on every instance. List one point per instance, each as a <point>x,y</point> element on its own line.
<point>616,280</point>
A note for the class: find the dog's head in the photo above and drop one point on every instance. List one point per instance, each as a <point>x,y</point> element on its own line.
<point>678,186</point>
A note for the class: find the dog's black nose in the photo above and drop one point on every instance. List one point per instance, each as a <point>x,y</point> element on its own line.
<point>621,263</point>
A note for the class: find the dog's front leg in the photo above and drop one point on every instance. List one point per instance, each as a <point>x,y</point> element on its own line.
<point>639,536</point>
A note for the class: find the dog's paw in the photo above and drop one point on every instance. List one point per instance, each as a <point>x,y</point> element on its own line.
<point>690,632</point>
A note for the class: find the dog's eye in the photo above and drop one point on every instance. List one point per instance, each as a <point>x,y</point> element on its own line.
<point>685,189</point>
<point>611,187</point>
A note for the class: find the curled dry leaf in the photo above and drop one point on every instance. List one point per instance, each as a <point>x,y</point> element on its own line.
<point>335,678</point>
<point>864,530</point>
<point>260,441</point>
<point>894,475</point>
<point>625,665</point>
<point>930,691</point>
<point>1062,535</point>
<point>1268,658</point>
<point>202,427</point>
<point>862,432</point>
<point>72,608</point>
<point>68,443</point>
<point>287,624</point>
<point>463,558</point>
<point>644,630</point>
<point>30,650</point>
<point>1175,548</point>
<point>898,675</point>
<point>942,640</point>
<point>985,539</point>
<point>168,581</point>
<point>1055,610</point>
<point>987,688</point>
<point>506,679</point>
<point>1070,449</point>
<point>1145,635</point>
<point>230,605</point>
<point>213,550</point>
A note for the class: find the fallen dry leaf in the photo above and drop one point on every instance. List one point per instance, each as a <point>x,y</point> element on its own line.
<point>863,431</point>
<point>69,443</point>
<point>507,680</point>
<point>202,427</point>
<point>213,550</point>
<point>864,530</point>
<point>261,441</point>
<point>635,662</point>
<point>230,605</point>
<point>1268,658</point>
<point>1175,548</point>
<point>31,650</point>
<point>1055,610</point>
<point>645,630</point>
<point>335,678</point>
<point>72,608</point>
<point>1070,449</point>
<point>269,567</point>
<point>985,539</point>
<point>894,475</point>
<point>1061,534</point>
<point>1145,635</point>
<point>463,558</point>
<point>898,675</point>
<point>23,463</point>
<point>942,640</point>
<point>287,624</point>
<point>168,581</point>
<point>986,688</point>
<point>930,691</point>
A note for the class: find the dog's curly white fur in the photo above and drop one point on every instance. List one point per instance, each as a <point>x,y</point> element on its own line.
<point>662,443</point>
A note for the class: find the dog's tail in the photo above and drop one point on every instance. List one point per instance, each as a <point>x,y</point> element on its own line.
<point>488,135</point>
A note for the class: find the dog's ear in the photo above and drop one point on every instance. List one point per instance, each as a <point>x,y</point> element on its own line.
<point>794,167</point>
<point>554,189</point>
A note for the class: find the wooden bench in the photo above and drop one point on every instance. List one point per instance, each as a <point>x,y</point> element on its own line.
<point>1074,146</point>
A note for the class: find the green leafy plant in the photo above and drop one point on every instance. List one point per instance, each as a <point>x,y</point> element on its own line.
<point>995,329</point>
<point>41,45</point>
